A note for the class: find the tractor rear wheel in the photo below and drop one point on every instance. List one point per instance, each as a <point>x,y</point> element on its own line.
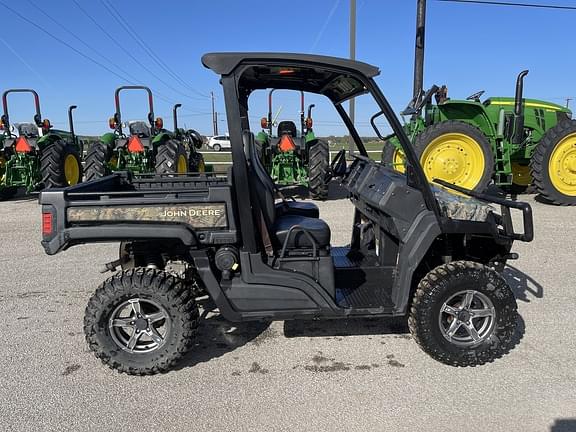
<point>464,314</point>
<point>141,321</point>
<point>196,162</point>
<point>171,158</point>
<point>97,160</point>
<point>60,165</point>
<point>393,157</point>
<point>553,164</point>
<point>456,152</point>
<point>318,163</point>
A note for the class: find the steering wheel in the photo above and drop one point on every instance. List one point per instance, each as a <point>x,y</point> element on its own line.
<point>338,165</point>
<point>476,96</point>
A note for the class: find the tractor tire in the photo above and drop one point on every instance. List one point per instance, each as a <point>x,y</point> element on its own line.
<point>141,321</point>
<point>392,158</point>
<point>456,152</point>
<point>171,158</point>
<point>553,164</point>
<point>60,165</point>
<point>7,192</point>
<point>318,165</point>
<point>196,163</point>
<point>464,314</point>
<point>97,161</point>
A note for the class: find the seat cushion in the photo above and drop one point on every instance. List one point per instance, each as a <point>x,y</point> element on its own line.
<point>317,228</point>
<point>297,208</point>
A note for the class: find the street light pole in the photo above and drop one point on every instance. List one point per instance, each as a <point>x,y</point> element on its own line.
<point>214,116</point>
<point>352,109</point>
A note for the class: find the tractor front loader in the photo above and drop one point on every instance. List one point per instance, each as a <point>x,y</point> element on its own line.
<point>511,142</point>
<point>293,158</point>
<point>34,155</point>
<point>148,147</point>
<point>192,141</point>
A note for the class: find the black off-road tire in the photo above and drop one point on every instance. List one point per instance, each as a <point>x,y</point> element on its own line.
<point>540,162</point>
<point>52,161</point>
<point>196,162</point>
<point>156,285</point>
<point>167,157</point>
<point>318,165</point>
<point>387,155</point>
<point>454,126</point>
<point>437,287</point>
<point>97,161</point>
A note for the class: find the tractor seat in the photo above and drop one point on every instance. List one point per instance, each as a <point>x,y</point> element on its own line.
<point>317,228</point>
<point>29,130</point>
<point>139,128</point>
<point>287,128</point>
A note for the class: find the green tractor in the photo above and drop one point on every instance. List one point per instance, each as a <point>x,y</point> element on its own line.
<point>513,142</point>
<point>147,149</point>
<point>192,141</point>
<point>291,157</point>
<point>38,156</point>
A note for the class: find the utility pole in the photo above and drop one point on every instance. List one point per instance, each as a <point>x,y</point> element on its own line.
<point>214,116</point>
<point>352,109</point>
<point>419,50</point>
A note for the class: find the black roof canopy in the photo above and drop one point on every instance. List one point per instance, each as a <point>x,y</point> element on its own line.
<point>330,76</point>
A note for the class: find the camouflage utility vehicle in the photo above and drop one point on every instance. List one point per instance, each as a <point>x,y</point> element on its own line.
<point>416,250</point>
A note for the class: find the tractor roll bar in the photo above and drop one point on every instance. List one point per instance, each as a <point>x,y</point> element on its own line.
<point>5,117</point>
<point>118,116</point>
<point>302,122</point>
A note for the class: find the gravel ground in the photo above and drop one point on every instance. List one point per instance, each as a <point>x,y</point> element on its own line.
<point>363,375</point>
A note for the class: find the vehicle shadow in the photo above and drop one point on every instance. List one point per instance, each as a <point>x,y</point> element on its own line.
<point>346,327</point>
<point>522,284</point>
<point>564,425</point>
<point>217,337</point>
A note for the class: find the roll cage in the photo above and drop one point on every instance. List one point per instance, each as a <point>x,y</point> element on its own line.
<point>336,78</point>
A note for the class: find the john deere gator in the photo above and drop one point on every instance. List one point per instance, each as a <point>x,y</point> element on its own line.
<point>291,157</point>
<point>35,155</point>
<point>512,142</point>
<point>148,147</point>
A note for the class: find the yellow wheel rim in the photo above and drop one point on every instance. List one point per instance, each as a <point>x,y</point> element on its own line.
<point>201,166</point>
<point>399,161</point>
<point>113,162</point>
<point>71,170</point>
<point>455,158</point>
<point>562,166</point>
<point>521,174</point>
<point>2,168</point>
<point>182,165</point>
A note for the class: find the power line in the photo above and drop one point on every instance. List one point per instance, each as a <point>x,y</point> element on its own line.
<point>504,3</point>
<point>122,22</point>
<point>134,58</point>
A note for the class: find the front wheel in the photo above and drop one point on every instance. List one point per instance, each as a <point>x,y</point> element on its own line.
<point>60,165</point>
<point>141,321</point>
<point>393,157</point>
<point>464,314</point>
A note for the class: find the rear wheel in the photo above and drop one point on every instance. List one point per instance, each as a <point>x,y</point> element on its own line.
<point>99,161</point>
<point>554,164</point>
<point>464,314</point>
<point>318,162</point>
<point>217,147</point>
<point>171,158</point>
<point>60,165</point>
<point>456,152</point>
<point>141,321</point>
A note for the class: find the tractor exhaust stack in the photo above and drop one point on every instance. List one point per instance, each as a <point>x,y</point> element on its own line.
<point>175,116</point>
<point>419,49</point>
<point>518,137</point>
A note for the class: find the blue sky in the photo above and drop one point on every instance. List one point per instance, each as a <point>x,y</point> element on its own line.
<point>469,48</point>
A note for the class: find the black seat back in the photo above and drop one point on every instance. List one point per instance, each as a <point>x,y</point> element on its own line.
<point>260,181</point>
<point>287,128</point>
